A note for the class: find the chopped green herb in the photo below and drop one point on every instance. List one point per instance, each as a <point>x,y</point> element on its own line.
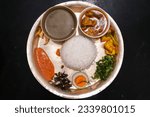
<point>104,67</point>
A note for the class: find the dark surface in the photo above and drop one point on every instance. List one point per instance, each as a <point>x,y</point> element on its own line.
<point>17,18</point>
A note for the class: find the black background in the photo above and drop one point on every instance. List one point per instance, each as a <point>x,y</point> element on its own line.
<point>16,20</point>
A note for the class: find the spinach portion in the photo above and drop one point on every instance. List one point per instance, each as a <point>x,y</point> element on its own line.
<point>104,67</point>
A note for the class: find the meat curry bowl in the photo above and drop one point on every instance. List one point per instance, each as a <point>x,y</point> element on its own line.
<point>94,22</point>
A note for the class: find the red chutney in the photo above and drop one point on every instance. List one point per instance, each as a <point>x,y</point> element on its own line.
<point>45,65</point>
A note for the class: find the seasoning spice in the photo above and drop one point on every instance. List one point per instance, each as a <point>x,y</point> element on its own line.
<point>58,52</point>
<point>61,81</point>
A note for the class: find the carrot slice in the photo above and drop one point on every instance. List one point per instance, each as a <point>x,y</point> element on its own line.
<point>45,65</point>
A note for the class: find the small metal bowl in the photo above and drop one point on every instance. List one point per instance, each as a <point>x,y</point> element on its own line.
<point>103,21</point>
<point>59,23</point>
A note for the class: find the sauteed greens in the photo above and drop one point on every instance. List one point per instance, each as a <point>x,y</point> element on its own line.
<point>104,67</point>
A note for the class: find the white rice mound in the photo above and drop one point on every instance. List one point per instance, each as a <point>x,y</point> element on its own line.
<point>78,53</point>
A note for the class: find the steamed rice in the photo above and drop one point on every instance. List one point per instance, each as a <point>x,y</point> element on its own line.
<point>78,53</point>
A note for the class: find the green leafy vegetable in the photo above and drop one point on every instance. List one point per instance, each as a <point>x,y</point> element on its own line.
<point>104,67</point>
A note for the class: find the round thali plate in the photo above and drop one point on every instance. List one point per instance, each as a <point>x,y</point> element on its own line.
<point>95,86</point>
